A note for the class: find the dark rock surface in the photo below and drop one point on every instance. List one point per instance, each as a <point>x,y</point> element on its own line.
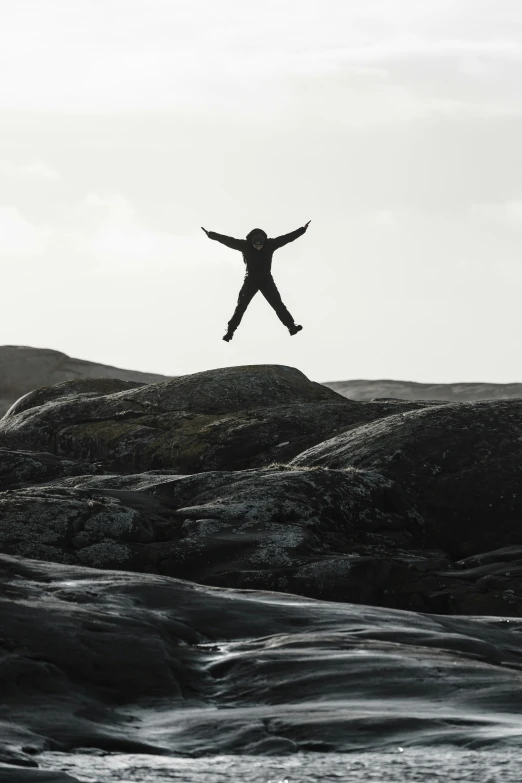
<point>23,369</point>
<point>227,419</point>
<point>135,663</point>
<point>11,774</point>
<point>460,465</point>
<point>22,468</point>
<point>232,478</point>
<point>255,477</point>
<point>316,532</point>
<point>443,392</point>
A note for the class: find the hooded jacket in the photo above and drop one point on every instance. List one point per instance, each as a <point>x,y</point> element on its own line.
<point>258,262</point>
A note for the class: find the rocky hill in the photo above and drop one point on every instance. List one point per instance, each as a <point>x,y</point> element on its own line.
<point>409,390</point>
<point>23,369</point>
<point>257,477</point>
<point>112,491</point>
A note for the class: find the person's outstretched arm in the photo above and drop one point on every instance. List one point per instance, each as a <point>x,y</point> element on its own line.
<point>235,244</point>
<point>284,239</point>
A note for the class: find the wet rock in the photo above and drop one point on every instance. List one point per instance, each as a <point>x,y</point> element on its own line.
<point>255,477</point>
<point>503,555</point>
<point>132,663</point>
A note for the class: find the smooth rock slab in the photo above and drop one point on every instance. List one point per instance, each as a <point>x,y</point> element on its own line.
<point>142,664</point>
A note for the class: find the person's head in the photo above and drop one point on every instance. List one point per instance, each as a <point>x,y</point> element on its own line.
<point>257,237</point>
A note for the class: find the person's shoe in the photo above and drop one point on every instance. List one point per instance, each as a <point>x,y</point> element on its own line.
<point>294,329</point>
<point>229,335</point>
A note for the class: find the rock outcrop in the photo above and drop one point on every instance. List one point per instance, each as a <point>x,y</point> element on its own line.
<point>227,419</point>
<point>24,368</point>
<point>131,514</point>
<point>460,465</point>
<point>255,477</point>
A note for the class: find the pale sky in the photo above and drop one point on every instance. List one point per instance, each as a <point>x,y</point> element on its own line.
<point>395,126</point>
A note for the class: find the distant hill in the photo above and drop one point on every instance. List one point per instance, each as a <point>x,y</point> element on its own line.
<point>23,369</point>
<point>409,390</point>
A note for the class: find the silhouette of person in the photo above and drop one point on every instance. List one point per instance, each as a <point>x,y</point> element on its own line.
<point>257,250</point>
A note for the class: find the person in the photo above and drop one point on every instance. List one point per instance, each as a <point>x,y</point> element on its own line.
<point>257,250</point>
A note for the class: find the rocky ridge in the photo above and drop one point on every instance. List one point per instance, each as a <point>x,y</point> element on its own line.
<point>24,368</point>
<point>255,477</point>
<point>132,516</point>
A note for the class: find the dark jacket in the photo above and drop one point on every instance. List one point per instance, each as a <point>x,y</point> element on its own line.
<point>258,262</point>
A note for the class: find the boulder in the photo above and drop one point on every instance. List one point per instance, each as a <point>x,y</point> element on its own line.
<point>459,464</point>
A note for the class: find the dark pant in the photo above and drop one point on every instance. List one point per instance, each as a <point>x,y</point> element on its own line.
<point>269,290</point>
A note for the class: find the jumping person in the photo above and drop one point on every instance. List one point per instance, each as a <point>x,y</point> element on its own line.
<point>257,250</point>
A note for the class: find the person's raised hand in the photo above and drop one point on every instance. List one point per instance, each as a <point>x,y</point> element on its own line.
<point>205,230</point>
<point>306,225</point>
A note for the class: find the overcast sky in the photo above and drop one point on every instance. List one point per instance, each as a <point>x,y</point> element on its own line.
<point>394,125</point>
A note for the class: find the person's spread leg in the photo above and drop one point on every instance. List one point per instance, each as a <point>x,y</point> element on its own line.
<point>247,293</point>
<point>269,290</point>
